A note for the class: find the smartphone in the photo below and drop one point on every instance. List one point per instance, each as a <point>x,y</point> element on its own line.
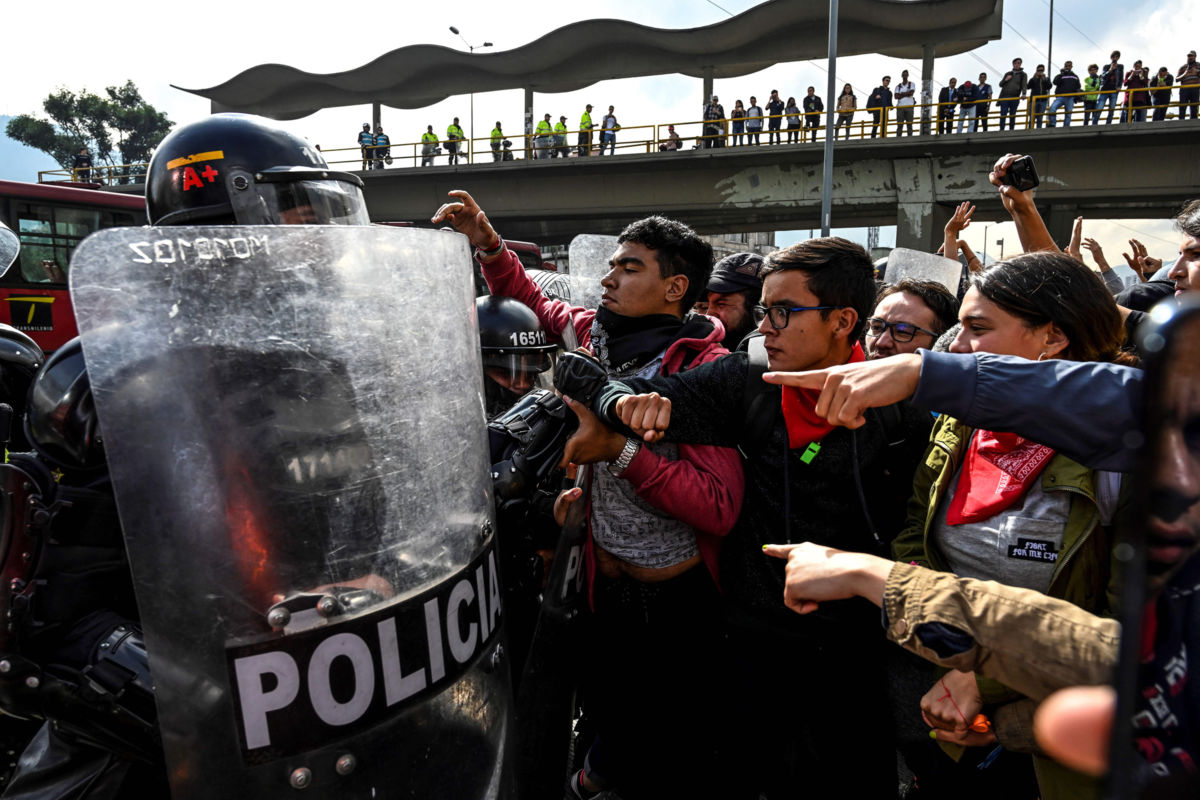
<point>1021,174</point>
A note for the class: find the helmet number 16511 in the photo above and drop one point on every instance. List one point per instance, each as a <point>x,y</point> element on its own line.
<point>527,338</point>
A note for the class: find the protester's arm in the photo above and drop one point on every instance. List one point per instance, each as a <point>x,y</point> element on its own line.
<point>1090,411</point>
<point>1073,249</point>
<point>961,623</point>
<point>703,404</point>
<point>502,269</point>
<point>1030,227</point>
<point>991,628</point>
<point>1141,261</point>
<point>702,488</point>
<point>1112,281</point>
<point>973,263</point>
<point>958,222</point>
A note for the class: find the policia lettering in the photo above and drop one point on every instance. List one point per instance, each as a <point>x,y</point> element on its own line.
<point>293,693</point>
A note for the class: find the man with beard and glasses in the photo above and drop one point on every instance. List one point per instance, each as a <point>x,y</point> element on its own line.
<point>656,517</point>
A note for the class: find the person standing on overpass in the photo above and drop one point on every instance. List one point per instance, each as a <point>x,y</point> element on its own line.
<point>585,132</point>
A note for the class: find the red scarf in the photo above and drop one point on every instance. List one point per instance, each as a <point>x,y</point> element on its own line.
<point>998,470</point>
<point>799,414</point>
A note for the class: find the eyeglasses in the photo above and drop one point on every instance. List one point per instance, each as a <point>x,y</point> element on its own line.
<point>780,315</point>
<point>901,331</point>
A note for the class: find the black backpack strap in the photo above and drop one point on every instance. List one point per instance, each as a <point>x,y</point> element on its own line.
<point>760,400</point>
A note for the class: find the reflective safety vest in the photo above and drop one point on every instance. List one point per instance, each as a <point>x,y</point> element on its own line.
<point>428,137</point>
<point>382,140</point>
<point>365,139</point>
<point>543,128</point>
<point>585,122</point>
<point>454,132</point>
<point>497,135</point>
<point>560,128</point>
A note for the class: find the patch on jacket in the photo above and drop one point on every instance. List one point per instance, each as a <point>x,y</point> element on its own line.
<point>1033,550</point>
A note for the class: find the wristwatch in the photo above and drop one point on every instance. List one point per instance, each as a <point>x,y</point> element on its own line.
<point>626,458</point>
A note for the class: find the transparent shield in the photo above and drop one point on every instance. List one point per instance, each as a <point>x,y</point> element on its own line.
<point>293,420</point>
<point>916,265</point>
<point>588,257</point>
<point>10,246</point>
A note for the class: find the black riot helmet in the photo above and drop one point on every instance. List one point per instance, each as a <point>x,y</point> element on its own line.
<point>235,169</point>
<point>515,347</point>
<point>20,359</point>
<point>60,419</point>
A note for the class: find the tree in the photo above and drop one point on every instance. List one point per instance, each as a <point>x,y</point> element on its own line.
<point>119,128</point>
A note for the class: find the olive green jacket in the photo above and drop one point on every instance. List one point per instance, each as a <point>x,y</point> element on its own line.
<point>1083,574</point>
<point>1005,625</point>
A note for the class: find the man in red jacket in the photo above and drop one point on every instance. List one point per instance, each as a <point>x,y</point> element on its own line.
<point>656,512</point>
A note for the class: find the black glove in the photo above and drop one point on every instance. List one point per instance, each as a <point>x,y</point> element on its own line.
<point>579,376</point>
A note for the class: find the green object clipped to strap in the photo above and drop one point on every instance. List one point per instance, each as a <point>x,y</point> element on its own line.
<point>810,452</point>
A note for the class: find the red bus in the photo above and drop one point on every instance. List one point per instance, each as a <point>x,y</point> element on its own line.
<point>50,221</point>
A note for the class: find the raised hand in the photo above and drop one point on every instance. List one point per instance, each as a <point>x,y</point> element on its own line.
<point>468,219</point>
<point>1073,249</point>
<point>961,218</point>
<point>1093,247</point>
<point>1141,261</point>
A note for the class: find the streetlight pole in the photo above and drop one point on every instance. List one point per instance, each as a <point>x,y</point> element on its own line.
<point>830,103</point>
<point>471,47</point>
<point>984,259</point>
<point>1050,44</point>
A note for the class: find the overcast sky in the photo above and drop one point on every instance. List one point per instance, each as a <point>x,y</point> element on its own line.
<point>157,44</point>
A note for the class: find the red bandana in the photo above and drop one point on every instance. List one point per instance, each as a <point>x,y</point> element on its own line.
<point>803,425</point>
<point>998,470</point>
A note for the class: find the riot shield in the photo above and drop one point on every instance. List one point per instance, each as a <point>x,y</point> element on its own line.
<point>587,259</point>
<point>10,247</point>
<point>294,425</point>
<point>904,263</point>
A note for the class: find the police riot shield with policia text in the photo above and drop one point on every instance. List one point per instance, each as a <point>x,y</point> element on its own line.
<point>294,425</point>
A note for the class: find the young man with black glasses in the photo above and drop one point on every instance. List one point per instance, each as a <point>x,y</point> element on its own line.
<point>805,481</point>
<point>909,315</point>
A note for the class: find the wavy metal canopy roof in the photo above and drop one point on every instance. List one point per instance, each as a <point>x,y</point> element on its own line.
<point>587,52</point>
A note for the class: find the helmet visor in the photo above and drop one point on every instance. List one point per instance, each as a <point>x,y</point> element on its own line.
<point>313,202</point>
<point>517,372</point>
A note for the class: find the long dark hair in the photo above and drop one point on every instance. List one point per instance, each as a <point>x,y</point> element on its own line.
<point>1050,287</point>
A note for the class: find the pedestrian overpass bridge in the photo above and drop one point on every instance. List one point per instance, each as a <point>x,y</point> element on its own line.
<point>1121,171</point>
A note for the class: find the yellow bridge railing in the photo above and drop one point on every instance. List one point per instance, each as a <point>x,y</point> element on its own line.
<point>1029,113</point>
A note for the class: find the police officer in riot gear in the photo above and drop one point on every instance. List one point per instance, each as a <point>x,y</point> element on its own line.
<point>515,350</point>
<point>74,653</point>
<point>234,169</point>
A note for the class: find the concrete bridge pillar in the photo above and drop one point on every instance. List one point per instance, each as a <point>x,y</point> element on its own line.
<point>1061,221</point>
<point>708,87</point>
<point>920,220</point>
<point>528,117</point>
<point>927,55</point>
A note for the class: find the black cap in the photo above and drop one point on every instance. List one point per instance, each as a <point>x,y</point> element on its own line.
<point>737,273</point>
